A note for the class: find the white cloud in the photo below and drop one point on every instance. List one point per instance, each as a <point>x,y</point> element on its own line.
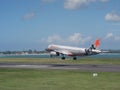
<point>74,39</point>
<point>109,35</point>
<point>75,4</point>
<point>29,16</point>
<point>112,37</point>
<point>113,17</point>
<point>54,38</point>
<point>117,38</point>
<point>104,1</point>
<point>78,38</point>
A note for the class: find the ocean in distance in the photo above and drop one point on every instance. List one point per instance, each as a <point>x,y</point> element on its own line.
<point>103,55</point>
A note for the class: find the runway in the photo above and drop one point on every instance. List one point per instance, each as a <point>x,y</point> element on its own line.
<point>82,67</point>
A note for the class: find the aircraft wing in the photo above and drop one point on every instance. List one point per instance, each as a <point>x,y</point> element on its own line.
<point>65,52</point>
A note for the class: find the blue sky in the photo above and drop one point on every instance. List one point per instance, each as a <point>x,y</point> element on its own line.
<point>34,24</point>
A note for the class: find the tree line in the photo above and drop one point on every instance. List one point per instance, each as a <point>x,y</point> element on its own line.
<point>30,51</point>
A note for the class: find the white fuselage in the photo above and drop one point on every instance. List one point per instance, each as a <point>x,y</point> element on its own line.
<point>70,51</point>
<point>56,50</point>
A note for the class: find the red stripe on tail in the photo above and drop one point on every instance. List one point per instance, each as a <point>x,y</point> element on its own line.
<point>97,42</point>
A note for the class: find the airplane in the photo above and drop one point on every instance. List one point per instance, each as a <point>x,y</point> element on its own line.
<point>57,50</point>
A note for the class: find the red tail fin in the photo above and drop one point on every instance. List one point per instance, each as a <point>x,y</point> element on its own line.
<point>97,42</point>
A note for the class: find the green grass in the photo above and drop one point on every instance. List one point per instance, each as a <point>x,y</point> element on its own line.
<point>59,61</point>
<point>29,79</point>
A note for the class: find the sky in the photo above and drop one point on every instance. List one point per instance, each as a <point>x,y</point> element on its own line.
<point>34,24</point>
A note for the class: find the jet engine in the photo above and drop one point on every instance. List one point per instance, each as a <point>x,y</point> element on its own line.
<point>52,53</point>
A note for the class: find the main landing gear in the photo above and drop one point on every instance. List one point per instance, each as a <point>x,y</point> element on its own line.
<point>74,58</point>
<point>63,58</point>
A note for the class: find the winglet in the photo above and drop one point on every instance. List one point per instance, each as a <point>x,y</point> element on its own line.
<point>97,42</point>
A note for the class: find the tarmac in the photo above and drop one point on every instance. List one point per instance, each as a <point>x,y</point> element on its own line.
<point>82,67</point>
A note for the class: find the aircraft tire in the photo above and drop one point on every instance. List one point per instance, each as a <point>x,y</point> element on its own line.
<point>74,58</point>
<point>63,58</point>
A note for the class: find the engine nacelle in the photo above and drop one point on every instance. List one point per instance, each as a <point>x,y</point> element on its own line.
<point>52,53</point>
